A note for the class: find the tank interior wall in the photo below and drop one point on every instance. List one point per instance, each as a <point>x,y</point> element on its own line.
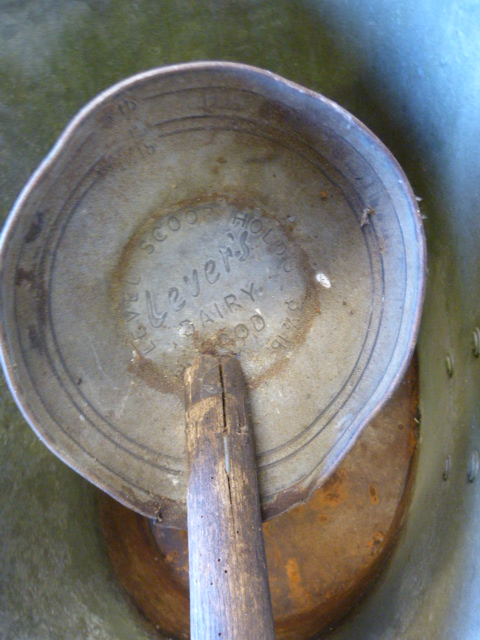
<point>407,69</point>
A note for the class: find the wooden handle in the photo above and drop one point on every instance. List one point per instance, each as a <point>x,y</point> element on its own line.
<point>229,590</point>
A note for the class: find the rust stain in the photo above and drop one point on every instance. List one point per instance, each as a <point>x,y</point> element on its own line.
<point>22,275</point>
<point>413,440</point>
<point>297,591</point>
<point>171,557</point>
<point>323,556</point>
<point>36,227</point>
<point>157,591</point>
<point>376,542</point>
<point>333,491</point>
<point>373,494</point>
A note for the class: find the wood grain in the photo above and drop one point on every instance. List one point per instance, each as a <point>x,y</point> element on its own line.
<point>229,589</point>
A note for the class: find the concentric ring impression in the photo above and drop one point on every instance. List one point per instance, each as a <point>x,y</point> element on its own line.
<point>209,207</point>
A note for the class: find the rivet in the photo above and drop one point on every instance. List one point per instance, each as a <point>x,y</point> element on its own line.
<point>449,366</point>
<point>447,468</point>
<point>473,466</point>
<point>476,342</point>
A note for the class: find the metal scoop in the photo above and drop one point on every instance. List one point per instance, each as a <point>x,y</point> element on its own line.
<point>209,208</point>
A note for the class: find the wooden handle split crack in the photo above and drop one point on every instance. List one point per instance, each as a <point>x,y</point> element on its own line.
<point>229,590</point>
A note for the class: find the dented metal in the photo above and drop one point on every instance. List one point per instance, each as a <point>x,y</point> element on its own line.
<point>209,207</point>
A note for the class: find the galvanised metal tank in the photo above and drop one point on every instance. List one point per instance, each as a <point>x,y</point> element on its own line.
<point>407,70</point>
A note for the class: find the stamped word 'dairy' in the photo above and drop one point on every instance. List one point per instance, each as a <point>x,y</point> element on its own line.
<point>213,276</point>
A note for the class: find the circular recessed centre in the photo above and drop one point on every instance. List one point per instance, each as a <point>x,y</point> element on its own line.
<point>215,277</point>
<point>210,208</point>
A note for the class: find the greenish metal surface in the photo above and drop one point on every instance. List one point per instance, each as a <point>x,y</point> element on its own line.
<point>410,71</point>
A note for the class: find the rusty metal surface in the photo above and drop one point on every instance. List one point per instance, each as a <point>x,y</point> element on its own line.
<point>209,207</point>
<point>323,556</point>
